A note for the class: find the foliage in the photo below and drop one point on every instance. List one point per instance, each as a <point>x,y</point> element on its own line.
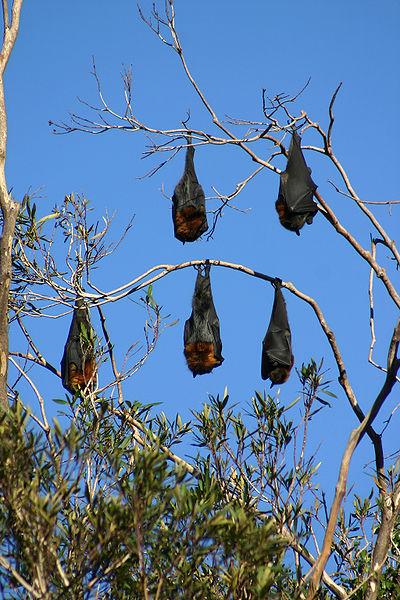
<point>108,519</point>
<point>101,506</point>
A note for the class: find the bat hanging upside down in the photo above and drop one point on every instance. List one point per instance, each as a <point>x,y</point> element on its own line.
<point>295,205</point>
<point>78,361</point>
<point>289,219</point>
<point>277,358</point>
<point>78,378</point>
<point>200,357</point>
<point>202,339</point>
<point>188,222</point>
<point>189,204</point>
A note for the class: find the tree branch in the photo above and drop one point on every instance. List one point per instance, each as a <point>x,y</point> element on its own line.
<point>380,271</point>
<point>355,437</point>
<point>5,16</point>
<point>343,379</point>
<point>389,516</point>
<point>9,208</point>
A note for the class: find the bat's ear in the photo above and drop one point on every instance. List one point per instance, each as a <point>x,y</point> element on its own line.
<point>272,384</point>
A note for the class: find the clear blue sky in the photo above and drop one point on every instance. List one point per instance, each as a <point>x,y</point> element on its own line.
<point>233,50</point>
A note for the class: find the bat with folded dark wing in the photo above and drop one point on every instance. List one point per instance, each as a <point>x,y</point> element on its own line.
<point>189,205</point>
<point>277,358</point>
<point>202,339</point>
<point>78,361</point>
<point>295,205</point>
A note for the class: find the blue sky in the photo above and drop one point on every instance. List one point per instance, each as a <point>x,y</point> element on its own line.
<point>233,52</point>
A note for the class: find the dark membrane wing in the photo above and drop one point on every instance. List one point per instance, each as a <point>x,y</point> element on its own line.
<point>202,339</point>
<point>77,362</point>
<point>276,350</point>
<point>277,358</point>
<point>189,208</point>
<point>291,220</point>
<point>296,185</point>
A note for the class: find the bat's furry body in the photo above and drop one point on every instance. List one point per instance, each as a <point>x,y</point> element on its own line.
<point>202,339</point>
<point>189,208</point>
<point>295,205</point>
<point>77,364</point>
<point>277,358</point>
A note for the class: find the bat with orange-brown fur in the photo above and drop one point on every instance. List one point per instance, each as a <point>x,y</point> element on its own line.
<point>295,205</point>
<point>277,358</point>
<point>189,205</point>
<point>202,339</point>
<point>78,361</point>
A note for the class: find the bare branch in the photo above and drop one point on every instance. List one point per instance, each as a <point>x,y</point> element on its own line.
<point>117,375</point>
<point>38,361</point>
<point>380,271</point>
<point>390,243</point>
<point>389,516</point>
<point>380,202</point>
<point>355,437</point>
<point>5,16</point>
<point>371,312</point>
<point>332,118</point>
<point>44,424</point>
<point>343,380</point>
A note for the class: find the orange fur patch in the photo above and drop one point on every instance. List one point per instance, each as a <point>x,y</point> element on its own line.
<point>77,379</point>
<point>280,206</point>
<point>200,357</point>
<point>188,221</point>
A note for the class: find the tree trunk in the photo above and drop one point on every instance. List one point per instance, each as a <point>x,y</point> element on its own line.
<point>9,208</point>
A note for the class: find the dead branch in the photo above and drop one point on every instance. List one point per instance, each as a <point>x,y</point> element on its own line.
<point>379,271</point>
<point>344,381</point>
<point>355,437</point>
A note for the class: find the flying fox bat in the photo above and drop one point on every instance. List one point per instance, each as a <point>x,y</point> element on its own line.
<point>295,205</point>
<point>277,358</point>
<point>202,339</point>
<point>77,363</point>
<point>189,205</point>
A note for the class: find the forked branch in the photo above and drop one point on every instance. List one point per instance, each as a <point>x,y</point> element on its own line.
<point>355,437</point>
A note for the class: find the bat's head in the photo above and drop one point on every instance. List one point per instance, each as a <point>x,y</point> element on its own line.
<point>293,222</point>
<point>279,375</point>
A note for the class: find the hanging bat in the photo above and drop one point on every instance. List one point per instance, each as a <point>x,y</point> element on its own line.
<point>295,205</point>
<point>202,339</point>
<point>77,363</point>
<point>189,205</point>
<point>277,358</point>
